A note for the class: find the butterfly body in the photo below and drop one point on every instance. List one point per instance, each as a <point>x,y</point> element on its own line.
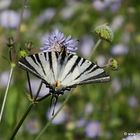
<point>61,71</point>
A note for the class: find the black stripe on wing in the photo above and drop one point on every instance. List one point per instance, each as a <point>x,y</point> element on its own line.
<point>39,61</point>
<point>102,77</point>
<point>82,62</point>
<point>34,60</point>
<point>62,57</point>
<point>23,63</point>
<point>69,57</point>
<point>74,66</point>
<point>87,69</point>
<point>50,59</point>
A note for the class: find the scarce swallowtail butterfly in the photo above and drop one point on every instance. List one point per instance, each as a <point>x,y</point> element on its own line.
<point>61,71</point>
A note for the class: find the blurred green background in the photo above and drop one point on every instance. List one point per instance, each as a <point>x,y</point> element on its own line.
<point>97,111</point>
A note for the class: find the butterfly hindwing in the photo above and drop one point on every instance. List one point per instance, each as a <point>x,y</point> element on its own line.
<point>80,71</point>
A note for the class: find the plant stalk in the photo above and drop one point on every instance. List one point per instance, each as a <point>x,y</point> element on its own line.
<point>6,93</point>
<point>21,121</point>
<point>50,121</point>
<point>96,45</point>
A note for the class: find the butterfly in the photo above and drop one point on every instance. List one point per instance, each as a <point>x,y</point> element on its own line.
<point>61,71</point>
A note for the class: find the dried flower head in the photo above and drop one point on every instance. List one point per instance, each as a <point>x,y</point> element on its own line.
<point>57,41</point>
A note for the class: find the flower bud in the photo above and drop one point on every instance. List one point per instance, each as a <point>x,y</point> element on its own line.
<point>22,53</point>
<point>10,42</point>
<point>113,64</point>
<point>104,32</point>
<point>28,45</point>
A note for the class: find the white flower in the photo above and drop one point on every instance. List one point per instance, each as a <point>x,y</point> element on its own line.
<point>9,19</point>
<point>56,41</point>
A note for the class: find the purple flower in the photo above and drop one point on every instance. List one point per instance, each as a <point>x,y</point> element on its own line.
<point>56,41</point>
<point>9,19</point>
<point>116,85</point>
<point>4,76</point>
<point>93,129</point>
<point>132,101</point>
<point>112,5</point>
<point>119,49</point>
<point>98,5</point>
<point>68,11</point>
<point>101,60</point>
<point>80,123</point>
<point>117,22</point>
<point>86,45</point>
<point>61,116</point>
<point>32,126</point>
<point>47,15</point>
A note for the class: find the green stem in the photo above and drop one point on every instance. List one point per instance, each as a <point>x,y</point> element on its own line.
<point>6,92</point>
<point>97,44</point>
<point>21,19</point>
<point>49,122</point>
<point>21,121</point>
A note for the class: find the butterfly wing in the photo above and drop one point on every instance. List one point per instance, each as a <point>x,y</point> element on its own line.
<point>43,65</point>
<point>69,69</point>
<point>78,71</point>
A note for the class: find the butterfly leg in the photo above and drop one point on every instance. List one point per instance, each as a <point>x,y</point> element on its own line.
<point>29,84</point>
<point>53,102</point>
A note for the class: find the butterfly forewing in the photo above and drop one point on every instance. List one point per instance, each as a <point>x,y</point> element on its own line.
<point>67,68</point>
<point>41,65</point>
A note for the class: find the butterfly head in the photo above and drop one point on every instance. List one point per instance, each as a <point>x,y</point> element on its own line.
<point>58,48</point>
<point>57,84</point>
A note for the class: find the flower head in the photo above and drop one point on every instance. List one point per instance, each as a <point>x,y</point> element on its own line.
<point>56,41</point>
